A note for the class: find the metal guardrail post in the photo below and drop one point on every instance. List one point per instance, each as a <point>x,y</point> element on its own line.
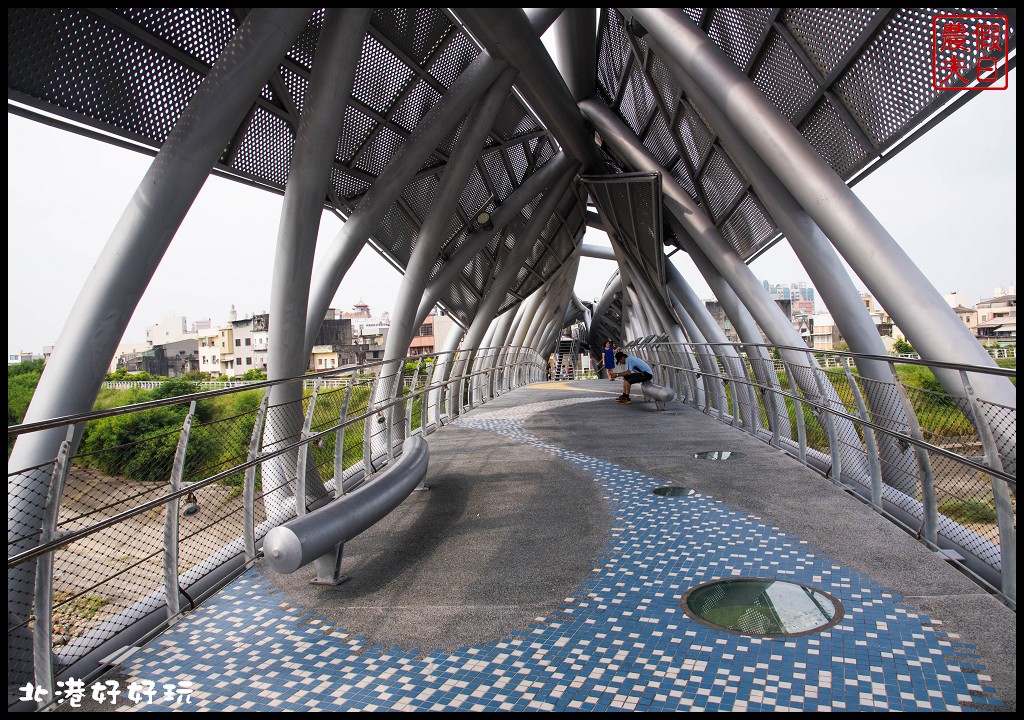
<point>171,520</point>
<point>368,428</point>
<point>801,429</point>
<point>425,397</point>
<point>929,502</point>
<point>249,488</point>
<point>720,388</point>
<point>770,401</point>
<point>300,467</point>
<point>836,471</point>
<point>339,443</point>
<point>466,381</point>
<point>42,632</point>
<point>874,463</point>
<point>1005,514</point>
<point>412,397</point>
<point>733,394</point>
<point>751,423</point>
<point>396,383</point>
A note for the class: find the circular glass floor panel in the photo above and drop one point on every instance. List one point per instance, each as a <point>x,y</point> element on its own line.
<point>672,491</point>
<point>763,607</point>
<point>719,455</point>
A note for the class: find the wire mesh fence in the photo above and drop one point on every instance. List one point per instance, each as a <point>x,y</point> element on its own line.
<point>923,450</point>
<point>155,499</point>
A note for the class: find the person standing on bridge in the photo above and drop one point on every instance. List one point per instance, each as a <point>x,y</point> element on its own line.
<point>637,371</point>
<point>608,355</point>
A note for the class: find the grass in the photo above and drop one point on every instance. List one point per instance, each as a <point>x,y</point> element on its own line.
<point>967,512</point>
<point>71,614</point>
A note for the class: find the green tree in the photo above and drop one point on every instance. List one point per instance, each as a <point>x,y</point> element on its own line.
<point>141,445</point>
<point>21,385</point>
<point>902,347</point>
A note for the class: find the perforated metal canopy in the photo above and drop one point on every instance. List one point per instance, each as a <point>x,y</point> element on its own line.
<point>854,81</point>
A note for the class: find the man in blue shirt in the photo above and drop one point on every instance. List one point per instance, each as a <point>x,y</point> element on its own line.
<point>637,371</point>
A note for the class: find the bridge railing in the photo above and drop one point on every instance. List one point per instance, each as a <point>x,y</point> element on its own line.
<point>155,505</point>
<point>941,463</point>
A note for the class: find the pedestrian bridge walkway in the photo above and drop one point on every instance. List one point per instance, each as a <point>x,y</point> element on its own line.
<point>540,571</point>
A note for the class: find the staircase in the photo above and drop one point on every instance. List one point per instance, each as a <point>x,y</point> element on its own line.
<point>567,354</point>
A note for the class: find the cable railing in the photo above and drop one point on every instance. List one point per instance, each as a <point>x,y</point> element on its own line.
<point>939,461</point>
<point>153,506</point>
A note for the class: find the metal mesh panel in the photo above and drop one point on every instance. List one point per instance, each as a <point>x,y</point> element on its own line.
<point>664,82</point>
<point>123,578</point>
<point>419,196</point>
<point>839,146</point>
<point>296,85</point>
<point>396,231</point>
<point>498,174</point>
<point>200,32</point>
<point>516,155</point>
<point>783,78</point>
<point>659,141</point>
<point>513,120</point>
<point>545,150</point>
<point>735,31</point>
<point>357,127</point>
<point>721,184</point>
<point>1003,421</point>
<point>694,134</point>
<point>827,34</point>
<point>637,104</point>
<point>380,76</point>
<point>379,151</point>
<point>305,47</point>
<point>748,227</point>
<point>680,172</point>
<point>694,14</point>
<point>75,61</point>
<point>474,194</point>
<point>887,86</point>
<point>346,186</point>
<point>266,149</point>
<point>415,31</point>
<point>613,49</point>
<point>453,59</point>
<point>416,103</point>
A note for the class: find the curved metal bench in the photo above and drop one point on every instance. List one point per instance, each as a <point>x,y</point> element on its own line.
<point>658,393</point>
<point>321,534</point>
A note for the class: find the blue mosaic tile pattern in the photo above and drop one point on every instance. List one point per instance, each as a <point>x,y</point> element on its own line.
<point>620,642</point>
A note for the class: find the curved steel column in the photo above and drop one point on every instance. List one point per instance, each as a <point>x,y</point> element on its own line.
<point>700,360</point>
<point>408,159</point>
<point>434,231</point>
<point>576,50</point>
<point>826,272</point>
<point>495,294</point>
<point>878,260</point>
<point>704,326</point>
<point>746,327</point>
<point>506,33</point>
<point>502,216</point>
<point>124,269</point>
<point>768,315</point>
<point>338,50</point>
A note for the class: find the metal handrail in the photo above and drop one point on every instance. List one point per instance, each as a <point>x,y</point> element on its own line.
<point>521,367</point>
<point>1000,571</point>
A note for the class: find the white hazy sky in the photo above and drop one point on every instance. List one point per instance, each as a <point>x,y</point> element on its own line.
<point>949,200</point>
